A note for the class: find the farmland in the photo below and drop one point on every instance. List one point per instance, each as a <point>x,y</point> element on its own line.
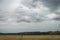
<point>30,37</point>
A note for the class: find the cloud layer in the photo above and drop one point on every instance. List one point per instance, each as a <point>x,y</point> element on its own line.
<point>29,14</point>
<point>25,11</point>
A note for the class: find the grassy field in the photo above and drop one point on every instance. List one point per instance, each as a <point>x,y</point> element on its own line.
<point>30,37</point>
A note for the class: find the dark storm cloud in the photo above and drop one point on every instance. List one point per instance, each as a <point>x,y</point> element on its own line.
<point>56,19</point>
<point>53,4</point>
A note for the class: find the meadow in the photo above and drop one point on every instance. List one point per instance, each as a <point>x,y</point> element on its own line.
<point>29,37</point>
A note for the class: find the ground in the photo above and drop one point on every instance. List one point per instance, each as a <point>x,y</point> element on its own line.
<point>30,37</point>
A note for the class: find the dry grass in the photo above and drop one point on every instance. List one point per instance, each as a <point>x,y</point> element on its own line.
<point>30,37</point>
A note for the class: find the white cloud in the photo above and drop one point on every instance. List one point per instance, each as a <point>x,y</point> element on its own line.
<point>51,16</point>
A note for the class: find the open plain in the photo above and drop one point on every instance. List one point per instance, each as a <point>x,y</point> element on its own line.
<point>29,37</point>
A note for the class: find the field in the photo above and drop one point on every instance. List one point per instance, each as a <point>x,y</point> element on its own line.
<point>30,37</point>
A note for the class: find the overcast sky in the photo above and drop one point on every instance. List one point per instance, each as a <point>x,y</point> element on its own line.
<point>29,15</point>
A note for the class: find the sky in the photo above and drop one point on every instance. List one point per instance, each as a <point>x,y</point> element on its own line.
<point>29,15</point>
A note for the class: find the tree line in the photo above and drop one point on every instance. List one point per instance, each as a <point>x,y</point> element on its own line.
<point>33,33</point>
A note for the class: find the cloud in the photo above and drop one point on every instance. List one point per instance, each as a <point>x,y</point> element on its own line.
<point>28,27</point>
<point>52,4</point>
<point>54,7</point>
<point>23,13</point>
<point>26,12</point>
<point>31,3</point>
<point>29,15</point>
<point>57,18</point>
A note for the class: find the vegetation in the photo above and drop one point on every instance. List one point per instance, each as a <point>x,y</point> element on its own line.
<point>30,37</point>
<point>33,33</point>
